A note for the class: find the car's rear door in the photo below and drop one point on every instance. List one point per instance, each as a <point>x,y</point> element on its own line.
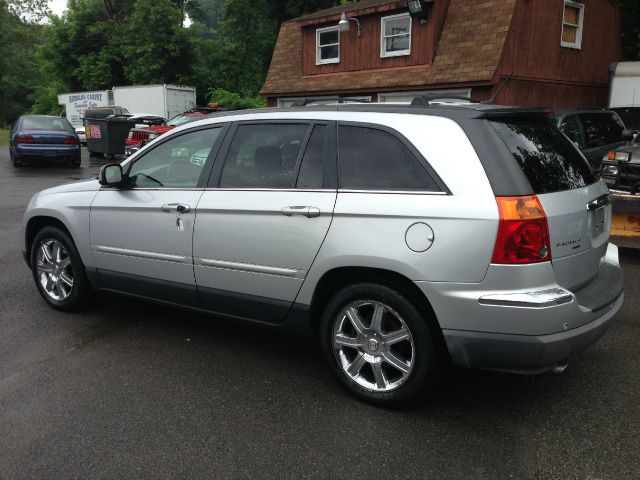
<point>263,217</point>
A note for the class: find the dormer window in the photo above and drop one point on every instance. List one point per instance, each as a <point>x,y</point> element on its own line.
<point>395,35</point>
<point>327,45</point>
<point>572,21</point>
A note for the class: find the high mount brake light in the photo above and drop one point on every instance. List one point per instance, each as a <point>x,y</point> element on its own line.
<point>523,232</point>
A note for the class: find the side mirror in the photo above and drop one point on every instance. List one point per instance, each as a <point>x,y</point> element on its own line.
<point>110,175</point>
<point>628,135</point>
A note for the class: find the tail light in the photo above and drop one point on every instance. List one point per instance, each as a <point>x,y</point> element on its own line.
<point>24,139</point>
<point>611,155</point>
<point>523,233</point>
<point>71,140</point>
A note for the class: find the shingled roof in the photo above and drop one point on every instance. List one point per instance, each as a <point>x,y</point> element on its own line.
<point>469,51</point>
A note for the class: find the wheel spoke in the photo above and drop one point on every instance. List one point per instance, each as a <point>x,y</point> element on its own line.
<point>342,340</point>
<point>65,262</point>
<point>378,374</point>
<point>397,336</point>
<point>57,252</point>
<point>46,254</point>
<point>376,320</point>
<point>356,321</point>
<point>356,365</point>
<point>395,362</point>
<point>45,267</point>
<point>60,291</point>
<point>64,277</point>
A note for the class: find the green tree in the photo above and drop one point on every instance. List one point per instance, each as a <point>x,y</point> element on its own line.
<point>630,29</point>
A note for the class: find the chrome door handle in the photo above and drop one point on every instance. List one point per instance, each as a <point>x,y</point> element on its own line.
<point>309,212</point>
<point>176,208</point>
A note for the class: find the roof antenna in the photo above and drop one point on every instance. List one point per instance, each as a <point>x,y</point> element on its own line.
<point>504,82</point>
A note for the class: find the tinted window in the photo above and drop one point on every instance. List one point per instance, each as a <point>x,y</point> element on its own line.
<point>571,129</point>
<point>548,159</point>
<point>263,156</point>
<point>312,168</point>
<point>176,163</point>
<point>601,129</point>
<point>45,123</point>
<point>372,159</point>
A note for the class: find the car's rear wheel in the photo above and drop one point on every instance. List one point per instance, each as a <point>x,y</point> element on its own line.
<point>15,160</point>
<point>379,344</point>
<point>58,270</point>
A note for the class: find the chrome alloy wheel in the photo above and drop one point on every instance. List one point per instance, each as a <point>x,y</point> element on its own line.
<point>54,269</point>
<point>373,345</point>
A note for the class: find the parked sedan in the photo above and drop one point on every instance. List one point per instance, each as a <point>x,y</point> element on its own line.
<point>43,137</point>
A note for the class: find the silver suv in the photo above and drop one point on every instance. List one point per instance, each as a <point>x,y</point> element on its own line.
<point>405,238</point>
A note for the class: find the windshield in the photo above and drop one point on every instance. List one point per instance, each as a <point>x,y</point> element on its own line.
<point>46,123</point>
<point>182,119</point>
<point>549,160</point>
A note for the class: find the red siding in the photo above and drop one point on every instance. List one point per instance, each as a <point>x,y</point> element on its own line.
<point>363,53</point>
<point>546,74</point>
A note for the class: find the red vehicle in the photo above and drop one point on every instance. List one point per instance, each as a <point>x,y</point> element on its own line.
<point>148,133</point>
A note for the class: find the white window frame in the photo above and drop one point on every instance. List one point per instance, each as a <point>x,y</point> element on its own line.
<point>391,97</point>
<point>319,60</point>
<point>383,37</point>
<point>578,43</point>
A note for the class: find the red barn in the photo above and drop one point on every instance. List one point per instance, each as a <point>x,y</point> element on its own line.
<point>555,53</point>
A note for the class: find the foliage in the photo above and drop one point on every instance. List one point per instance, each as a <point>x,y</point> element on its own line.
<point>630,29</point>
<point>4,137</point>
<point>234,101</point>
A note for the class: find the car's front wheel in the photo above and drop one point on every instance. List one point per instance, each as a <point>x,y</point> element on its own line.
<point>380,345</point>
<point>58,270</point>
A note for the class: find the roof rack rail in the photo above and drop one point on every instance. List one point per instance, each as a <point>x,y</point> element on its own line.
<point>307,101</point>
<point>425,100</point>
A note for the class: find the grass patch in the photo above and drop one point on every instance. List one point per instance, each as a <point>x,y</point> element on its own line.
<point>4,137</point>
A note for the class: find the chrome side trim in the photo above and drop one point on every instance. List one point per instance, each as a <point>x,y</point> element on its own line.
<point>230,189</point>
<point>536,299</point>
<point>249,267</point>
<point>396,192</point>
<point>165,257</point>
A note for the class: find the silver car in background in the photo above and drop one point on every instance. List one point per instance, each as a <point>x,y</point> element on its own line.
<point>404,238</point>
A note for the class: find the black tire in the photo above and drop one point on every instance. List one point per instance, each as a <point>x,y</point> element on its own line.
<point>80,292</point>
<point>427,360</point>
<point>15,160</point>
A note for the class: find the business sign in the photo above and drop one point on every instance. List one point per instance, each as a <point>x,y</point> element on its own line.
<point>77,103</point>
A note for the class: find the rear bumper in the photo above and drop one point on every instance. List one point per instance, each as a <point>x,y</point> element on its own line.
<point>530,326</point>
<point>47,151</point>
<point>524,353</point>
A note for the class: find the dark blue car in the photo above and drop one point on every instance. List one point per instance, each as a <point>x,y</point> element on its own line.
<point>43,137</point>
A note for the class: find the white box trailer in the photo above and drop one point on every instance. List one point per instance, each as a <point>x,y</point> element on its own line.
<point>624,94</point>
<point>163,100</point>
<point>76,103</point>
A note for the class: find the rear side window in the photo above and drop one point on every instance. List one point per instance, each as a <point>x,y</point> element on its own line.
<point>549,160</point>
<point>373,159</point>
<point>311,169</point>
<point>263,156</point>
<point>601,129</point>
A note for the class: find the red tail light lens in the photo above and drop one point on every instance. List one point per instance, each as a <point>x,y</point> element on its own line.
<point>523,233</point>
<point>24,139</point>
<point>71,140</point>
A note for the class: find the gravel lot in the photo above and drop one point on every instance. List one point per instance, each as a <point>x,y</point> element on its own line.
<point>133,390</point>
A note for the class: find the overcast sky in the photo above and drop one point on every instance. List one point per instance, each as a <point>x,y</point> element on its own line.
<point>58,6</point>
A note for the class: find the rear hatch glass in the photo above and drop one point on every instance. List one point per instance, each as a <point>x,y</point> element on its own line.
<point>547,157</point>
<point>565,183</point>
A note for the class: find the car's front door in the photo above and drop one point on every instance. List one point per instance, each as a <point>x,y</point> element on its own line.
<point>141,233</point>
<point>262,221</point>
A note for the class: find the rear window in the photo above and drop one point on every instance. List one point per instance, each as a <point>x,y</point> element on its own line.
<point>549,160</point>
<point>46,123</point>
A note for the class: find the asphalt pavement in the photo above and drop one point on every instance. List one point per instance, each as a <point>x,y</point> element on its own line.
<point>133,390</point>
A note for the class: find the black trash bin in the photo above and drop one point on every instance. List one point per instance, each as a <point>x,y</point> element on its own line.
<point>107,135</point>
